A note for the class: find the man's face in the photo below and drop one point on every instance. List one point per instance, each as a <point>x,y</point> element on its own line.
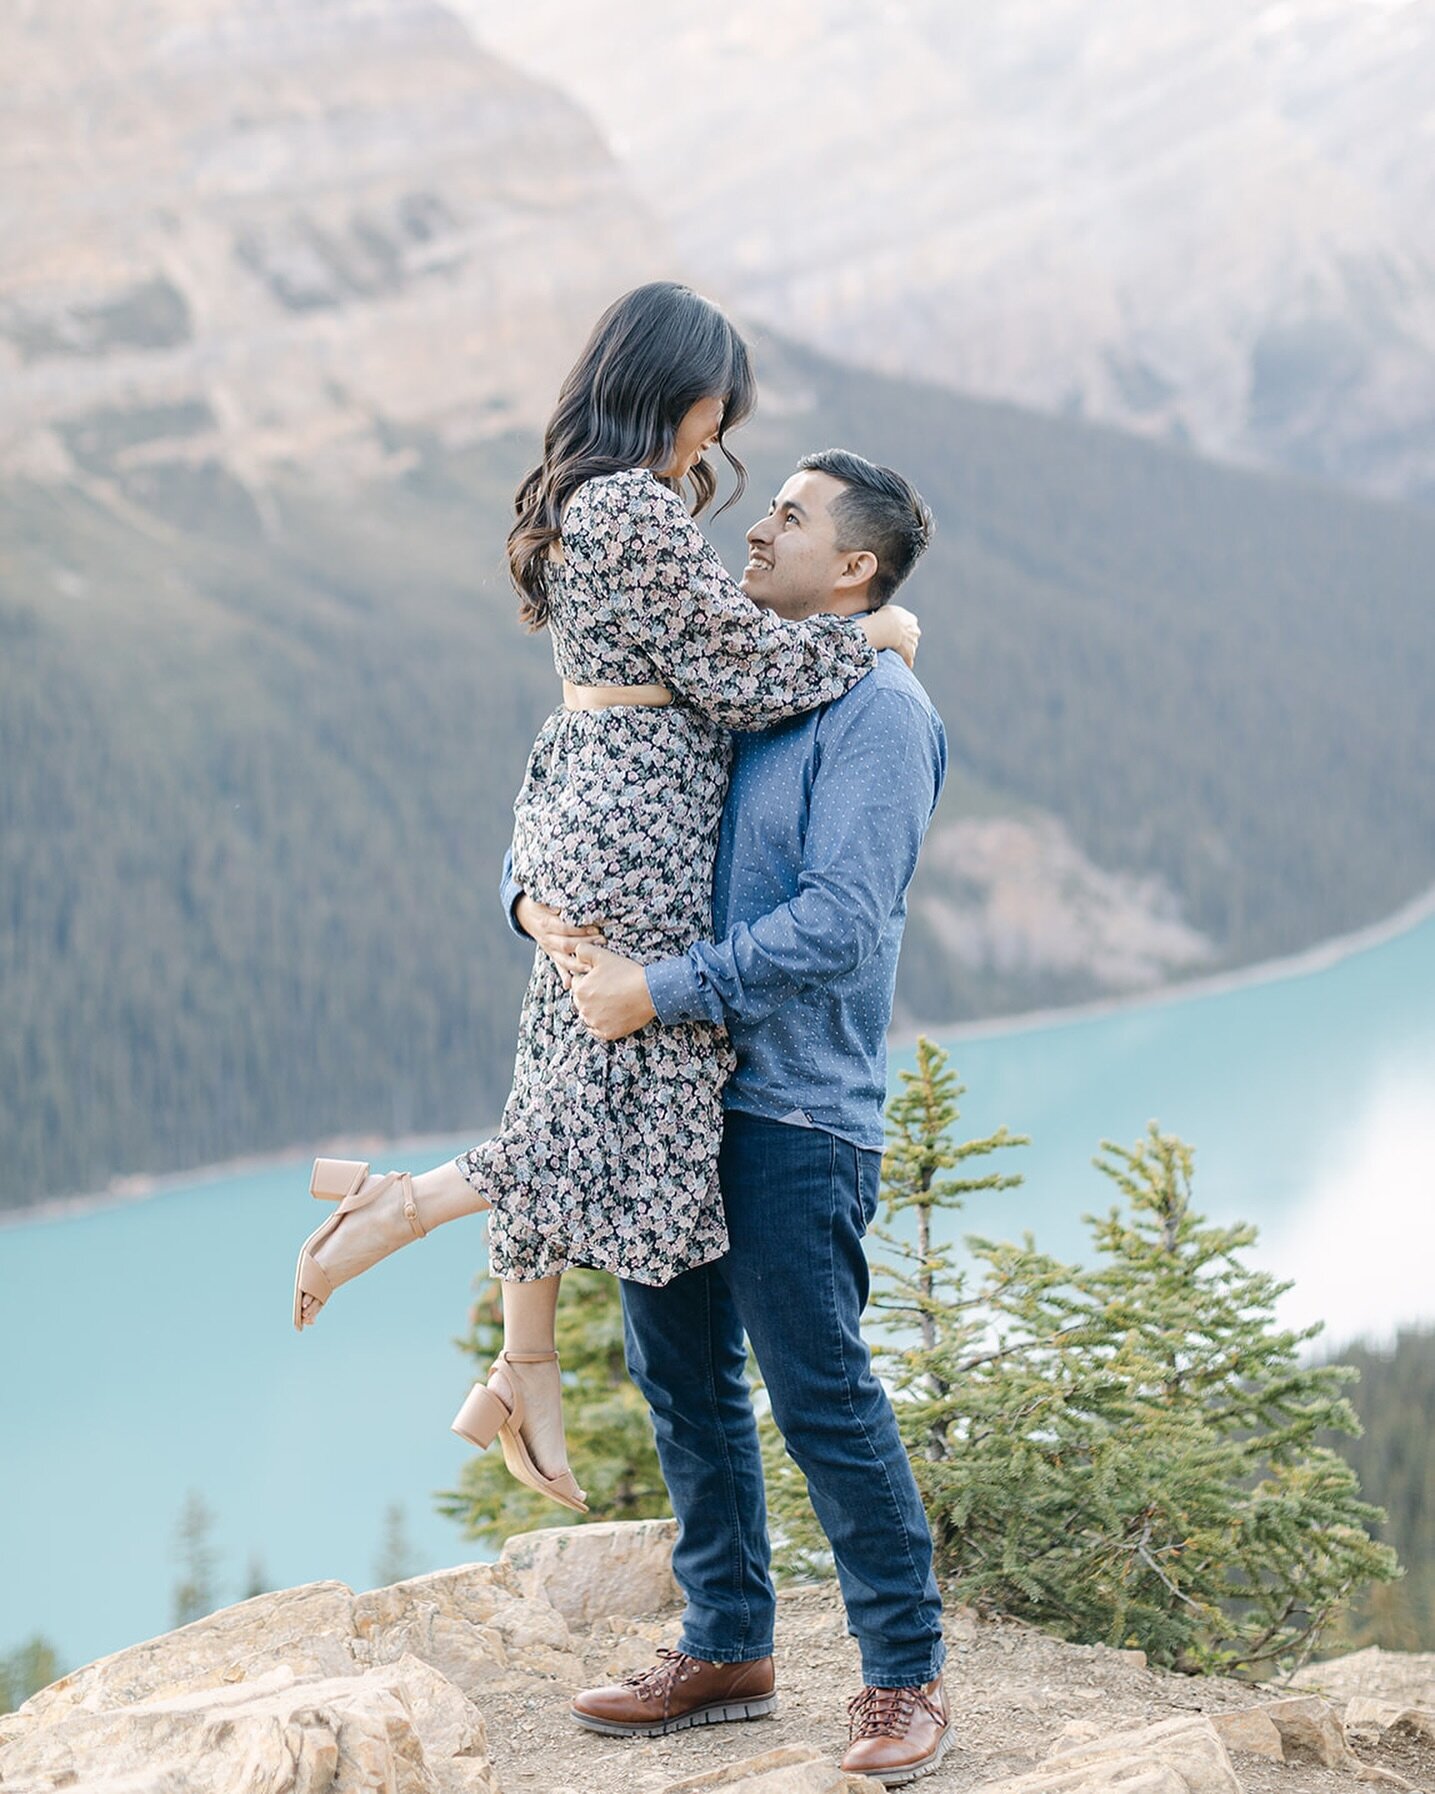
<point>794,566</point>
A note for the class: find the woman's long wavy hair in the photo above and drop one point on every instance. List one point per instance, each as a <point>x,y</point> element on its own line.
<point>653,353</point>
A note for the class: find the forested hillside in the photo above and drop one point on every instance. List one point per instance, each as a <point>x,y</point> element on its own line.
<point>1395,1461</point>
<point>255,773</point>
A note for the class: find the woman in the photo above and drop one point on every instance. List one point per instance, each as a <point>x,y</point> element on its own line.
<point>607,1151</point>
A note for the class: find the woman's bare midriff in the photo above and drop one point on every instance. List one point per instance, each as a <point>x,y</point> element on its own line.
<point>609,697</point>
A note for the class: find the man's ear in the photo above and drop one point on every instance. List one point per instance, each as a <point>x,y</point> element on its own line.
<point>857,569</point>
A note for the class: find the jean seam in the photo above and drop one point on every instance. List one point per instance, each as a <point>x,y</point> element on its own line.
<point>859,1424</point>
<point>730,1479</point>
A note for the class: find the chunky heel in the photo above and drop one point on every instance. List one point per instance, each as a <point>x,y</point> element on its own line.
<point>480,1417</point>
<point>494,1410</point>
<point>334,1179</point>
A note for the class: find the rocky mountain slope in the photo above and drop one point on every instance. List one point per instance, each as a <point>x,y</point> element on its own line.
<point>457,1683</point>
<point>283,292</point>
<point>258,761</point>
<point>257,232</point>
<point>1210,220</point>
<point>259,751</point>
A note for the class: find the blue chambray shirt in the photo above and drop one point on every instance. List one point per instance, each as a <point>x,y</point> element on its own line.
<point>820,834</point>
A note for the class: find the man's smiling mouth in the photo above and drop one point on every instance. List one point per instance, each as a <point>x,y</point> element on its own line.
<point>756,564</point>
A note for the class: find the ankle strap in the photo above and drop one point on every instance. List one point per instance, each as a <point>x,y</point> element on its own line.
<point>527,1357</point>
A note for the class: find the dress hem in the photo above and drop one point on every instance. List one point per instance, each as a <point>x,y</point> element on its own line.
<point>552,1269</point>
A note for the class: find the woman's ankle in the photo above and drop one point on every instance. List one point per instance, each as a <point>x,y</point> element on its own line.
<point>444,1194</point>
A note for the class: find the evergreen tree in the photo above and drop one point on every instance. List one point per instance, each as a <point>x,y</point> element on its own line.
<point>610,1436</point>
<point>920,1293</point>
<point>1140,1464</point>
<point>1395,1459</point>
<point>195,1594</point>
<point>256,1582</point>
<point>395,1561</point>
<point>26,1670</point>
<point>1216,1529</point>
<point>1127,1453</point>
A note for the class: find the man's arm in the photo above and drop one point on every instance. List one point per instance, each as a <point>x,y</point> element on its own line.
<point>882,768</point>
<point>534,921</point>
<point>509,891</point>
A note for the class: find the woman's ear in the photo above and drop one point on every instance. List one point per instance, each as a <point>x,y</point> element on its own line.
<point>857,569</point>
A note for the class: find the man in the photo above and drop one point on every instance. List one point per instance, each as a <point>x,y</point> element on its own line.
<point>820,835</point>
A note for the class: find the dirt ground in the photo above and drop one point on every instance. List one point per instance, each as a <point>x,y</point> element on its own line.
<point>1012,1688</point>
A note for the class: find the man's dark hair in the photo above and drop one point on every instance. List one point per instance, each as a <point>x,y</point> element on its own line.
<point>879,511</point>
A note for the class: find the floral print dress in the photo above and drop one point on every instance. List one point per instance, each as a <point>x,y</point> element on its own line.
<point>607,1151</point>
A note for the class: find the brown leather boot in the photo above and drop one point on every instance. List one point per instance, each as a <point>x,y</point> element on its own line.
<point>678,1691</point>
<point>897,1733</point>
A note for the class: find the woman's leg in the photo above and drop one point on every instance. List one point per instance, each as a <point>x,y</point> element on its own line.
<point>445,1193</point>
<point>529,1312</point>
<point>372,1232</point>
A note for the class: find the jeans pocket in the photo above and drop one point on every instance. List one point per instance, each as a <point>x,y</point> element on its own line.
<point>869,1184</point>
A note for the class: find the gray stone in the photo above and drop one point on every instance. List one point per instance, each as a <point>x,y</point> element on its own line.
<point>1250,1730</point>
<point>471,1626</point>
<point>400,1727</point>
<point>1180,1755</point>
<point>790,1769</point>
<point>1407,1677</point>
<point>1366,1715</point>
<point>308,1629</point>
<point>1310,1731</point>
<point>590,1573</point>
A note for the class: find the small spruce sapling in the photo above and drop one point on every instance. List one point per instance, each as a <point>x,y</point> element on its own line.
<point>1138,1462</point>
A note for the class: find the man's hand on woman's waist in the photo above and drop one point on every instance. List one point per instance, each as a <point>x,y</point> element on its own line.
<point>555,936</point>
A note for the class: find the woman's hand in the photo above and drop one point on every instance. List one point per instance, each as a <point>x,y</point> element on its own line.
<point>893,627</point>
<point>554,935</point>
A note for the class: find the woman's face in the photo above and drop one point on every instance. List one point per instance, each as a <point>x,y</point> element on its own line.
<point>697,432</point>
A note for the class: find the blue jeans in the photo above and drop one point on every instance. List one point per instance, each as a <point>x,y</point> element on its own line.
<point>798,1201</point>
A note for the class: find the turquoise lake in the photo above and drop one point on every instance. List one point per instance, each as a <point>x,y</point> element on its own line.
<point>149,1347</point>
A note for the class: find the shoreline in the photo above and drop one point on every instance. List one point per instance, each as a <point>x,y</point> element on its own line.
<point>138,1186</point>
<point>1319,958</point>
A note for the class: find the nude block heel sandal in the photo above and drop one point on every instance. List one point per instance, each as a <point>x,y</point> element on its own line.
<point>492,1412</point>
<point>347,1182</point>
<point>480,1417</point>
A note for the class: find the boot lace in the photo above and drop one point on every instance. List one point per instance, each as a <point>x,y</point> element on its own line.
<point>657,1682</point>
<point>886,1712</point>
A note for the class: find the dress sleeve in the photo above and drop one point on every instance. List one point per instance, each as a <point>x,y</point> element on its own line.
<point>704,637</point>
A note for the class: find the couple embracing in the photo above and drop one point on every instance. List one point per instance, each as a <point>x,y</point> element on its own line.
<point>713,842</point>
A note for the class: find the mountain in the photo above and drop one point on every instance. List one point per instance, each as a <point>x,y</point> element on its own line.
<point>264,701</point>
<point>258,760</point>
<point>249,233</point>
<point>1209,222</point>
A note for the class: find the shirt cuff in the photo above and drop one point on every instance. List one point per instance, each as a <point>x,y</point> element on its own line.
<point>509,892</point>
<point>675,991</point>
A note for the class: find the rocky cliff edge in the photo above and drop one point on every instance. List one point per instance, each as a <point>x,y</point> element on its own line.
<point>457,1683</point>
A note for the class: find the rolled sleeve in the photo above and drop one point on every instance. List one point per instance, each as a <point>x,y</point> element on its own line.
<point>679,994</point>
<point>509,891</point>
